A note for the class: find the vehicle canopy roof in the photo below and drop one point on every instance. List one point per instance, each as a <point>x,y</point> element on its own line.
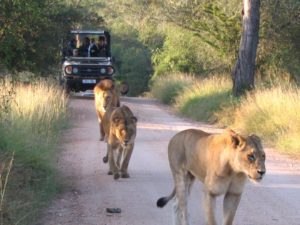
<point>96,32</point>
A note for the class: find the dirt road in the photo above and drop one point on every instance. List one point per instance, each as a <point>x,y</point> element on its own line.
<point>275,201</point>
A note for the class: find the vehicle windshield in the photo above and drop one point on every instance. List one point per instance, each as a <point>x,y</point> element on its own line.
<point>87,45</point>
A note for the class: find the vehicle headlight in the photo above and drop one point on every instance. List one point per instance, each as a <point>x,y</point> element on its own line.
<point>103,70</point>
<point>68,69</point>
<point>110,70</point>
<point>75,70</point>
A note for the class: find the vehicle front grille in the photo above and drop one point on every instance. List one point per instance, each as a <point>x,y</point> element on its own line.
<point>89,71</point>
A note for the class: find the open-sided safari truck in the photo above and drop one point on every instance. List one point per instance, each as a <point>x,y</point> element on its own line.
<point>86,60</point>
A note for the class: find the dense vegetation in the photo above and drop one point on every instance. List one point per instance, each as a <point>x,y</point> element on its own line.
<point>153,38</point>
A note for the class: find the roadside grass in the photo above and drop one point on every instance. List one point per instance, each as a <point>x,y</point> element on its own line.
<point>31,121</point>
<point>167,88</point>
<point>205,97</point>
<point>272,113</point>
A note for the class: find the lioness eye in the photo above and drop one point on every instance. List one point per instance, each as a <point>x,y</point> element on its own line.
<point>251,158</point>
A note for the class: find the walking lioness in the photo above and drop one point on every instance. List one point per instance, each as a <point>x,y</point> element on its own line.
<point>222,162</point>
<point>105,98</point>
<point>121,130</point>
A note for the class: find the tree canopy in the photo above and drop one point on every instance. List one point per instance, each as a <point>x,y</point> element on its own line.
<point>153,37</point>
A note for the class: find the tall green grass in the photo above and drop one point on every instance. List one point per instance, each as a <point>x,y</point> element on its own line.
<point>31,120</point>
<point>205,97</point>
<point>167,88</point>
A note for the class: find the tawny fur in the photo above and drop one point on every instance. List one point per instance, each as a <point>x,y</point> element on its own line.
<point>105,98</point>
<point>222,162</point>
<point>120,125</point>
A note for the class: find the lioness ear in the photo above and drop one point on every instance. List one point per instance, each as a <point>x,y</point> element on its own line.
<point>237,140</point>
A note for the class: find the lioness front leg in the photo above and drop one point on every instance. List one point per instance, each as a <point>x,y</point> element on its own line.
<point>113,169</point>
<point>127,155</point>
<point>119,156</point>
<point>209,208</point>
<point>230,205</point>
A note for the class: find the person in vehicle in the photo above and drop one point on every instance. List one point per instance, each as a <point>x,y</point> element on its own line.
<point>93,49</point>
<point>102,48</point>
<point>75,52</point>
<point>71,46</point>
<point>84,48</point>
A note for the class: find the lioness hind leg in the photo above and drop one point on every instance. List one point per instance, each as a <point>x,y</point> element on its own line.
<point>183,183</point>
<point>102,133</point>
<point>230,205</point>
<point>127,155</point>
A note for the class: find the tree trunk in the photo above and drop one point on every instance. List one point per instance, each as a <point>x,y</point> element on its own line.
<point>244,70</point>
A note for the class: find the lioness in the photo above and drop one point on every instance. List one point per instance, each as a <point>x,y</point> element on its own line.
<point>221,161</point>
<point>105,97</point>
<point>121,131</point>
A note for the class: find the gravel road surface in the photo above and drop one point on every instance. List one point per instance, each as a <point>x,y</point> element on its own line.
<point>274,201</point>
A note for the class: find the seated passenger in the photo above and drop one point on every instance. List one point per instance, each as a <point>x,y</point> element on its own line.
<point>102,49</point>
<point>84,48</point>
<point>93,49</point>
<point>75,52</point>
<point>71,46</point>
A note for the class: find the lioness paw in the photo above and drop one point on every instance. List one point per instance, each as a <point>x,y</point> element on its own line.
<point>116,176</point>
<point>125,175</point>
<point>105,159</point>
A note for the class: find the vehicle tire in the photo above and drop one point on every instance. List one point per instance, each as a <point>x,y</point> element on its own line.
<point>124,88</point>
<point>67,88</point>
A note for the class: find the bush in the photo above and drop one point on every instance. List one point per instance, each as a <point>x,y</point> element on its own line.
<point>168,88</point>
<point>204,98</point>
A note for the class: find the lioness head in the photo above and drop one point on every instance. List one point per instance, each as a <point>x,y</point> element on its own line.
<point>104,93</point>
<point>249,156</point>
<point>107,98</point>
<point>123,125</point>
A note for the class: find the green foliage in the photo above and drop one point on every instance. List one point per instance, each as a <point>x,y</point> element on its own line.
<point>279,47</point>
<point>132,59</point>
<point>31,32</point>
<point>168,88</point>
<point>178,54</point>
<point>204,98</point>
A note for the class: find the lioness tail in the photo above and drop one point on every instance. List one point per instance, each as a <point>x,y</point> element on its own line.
<point>164,200</point>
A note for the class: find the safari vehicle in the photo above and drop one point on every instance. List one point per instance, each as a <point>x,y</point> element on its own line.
<point>82,70</point>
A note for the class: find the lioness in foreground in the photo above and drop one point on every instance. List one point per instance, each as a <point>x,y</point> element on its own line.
<point>221,161</point>
<point>105,97</point>
<point>121,130</point>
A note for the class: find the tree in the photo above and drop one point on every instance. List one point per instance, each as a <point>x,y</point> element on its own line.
<point>244,70</point>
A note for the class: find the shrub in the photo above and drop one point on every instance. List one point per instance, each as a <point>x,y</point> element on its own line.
<point>167,88</point>
<point>204,98</point>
